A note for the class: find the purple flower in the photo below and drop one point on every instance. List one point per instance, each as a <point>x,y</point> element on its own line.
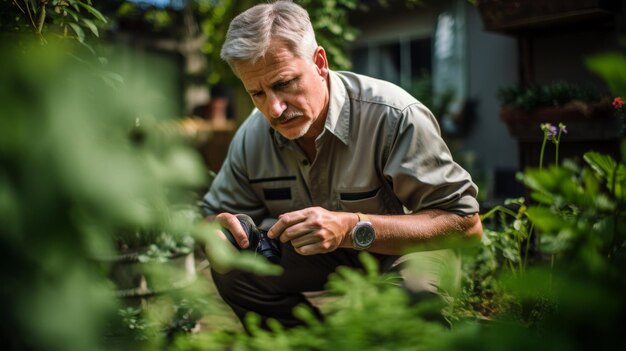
<point>549,130</point>
<point>553,131</point>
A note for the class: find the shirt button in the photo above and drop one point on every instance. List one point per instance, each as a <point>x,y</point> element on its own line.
<point>305,162</point>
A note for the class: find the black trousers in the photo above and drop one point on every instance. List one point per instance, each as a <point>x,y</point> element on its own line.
<point>276,296</point>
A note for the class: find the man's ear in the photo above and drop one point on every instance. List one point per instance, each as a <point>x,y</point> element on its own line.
<point>321,62</point>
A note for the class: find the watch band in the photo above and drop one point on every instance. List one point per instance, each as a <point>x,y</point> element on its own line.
<point>363,217</point>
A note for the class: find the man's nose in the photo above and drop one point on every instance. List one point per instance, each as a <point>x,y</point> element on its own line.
<point>276,106</point>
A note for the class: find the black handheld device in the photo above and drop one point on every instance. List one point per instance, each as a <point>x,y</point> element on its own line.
<point>258,239</point>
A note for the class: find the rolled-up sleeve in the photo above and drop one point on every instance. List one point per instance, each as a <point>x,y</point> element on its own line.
<point>421,169</point>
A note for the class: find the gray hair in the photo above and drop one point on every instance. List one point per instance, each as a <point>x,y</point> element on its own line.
<point>250,33</point>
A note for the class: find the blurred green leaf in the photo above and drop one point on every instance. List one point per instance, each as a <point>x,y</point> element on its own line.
<point>75,15</point>
<point>80,34</point>
<point>92,27</point>
<point>545,219</point>
<point>73,178</point>
<point>610,66</point>
<point>608,169</point>
<point>93,11</point>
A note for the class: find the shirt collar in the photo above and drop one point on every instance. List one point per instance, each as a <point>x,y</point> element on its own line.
<point>338,115</point>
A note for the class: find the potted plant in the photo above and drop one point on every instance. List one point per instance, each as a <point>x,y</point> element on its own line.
<point>589,116</point>
<point>151,261</point>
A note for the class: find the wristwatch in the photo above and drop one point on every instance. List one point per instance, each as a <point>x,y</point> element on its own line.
<point>363,233</point>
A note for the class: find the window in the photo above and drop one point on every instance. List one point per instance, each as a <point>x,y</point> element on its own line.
<point>402,61</point>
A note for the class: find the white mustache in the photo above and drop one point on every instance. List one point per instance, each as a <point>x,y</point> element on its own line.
<point>287,116</point>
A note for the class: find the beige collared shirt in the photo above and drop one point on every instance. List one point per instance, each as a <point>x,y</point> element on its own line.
<point>380,153</point>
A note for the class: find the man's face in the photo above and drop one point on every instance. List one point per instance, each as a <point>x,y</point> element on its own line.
<point>290,91</point>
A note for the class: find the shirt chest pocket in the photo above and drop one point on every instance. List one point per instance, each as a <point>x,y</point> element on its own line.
<point>369,200</point>
<point>279,195</point>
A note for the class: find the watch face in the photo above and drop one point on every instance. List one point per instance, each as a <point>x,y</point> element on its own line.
<point>364,236</point>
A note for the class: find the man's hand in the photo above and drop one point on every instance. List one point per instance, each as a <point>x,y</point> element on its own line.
<point>313,230</point>
<point>230,222</point>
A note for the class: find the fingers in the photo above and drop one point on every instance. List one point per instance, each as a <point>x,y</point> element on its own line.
<point>298,230</point>
<point>295,224</point>
<point>312,242</point>
<point>230,222</point>
<point>314,249</point>
<point>305,239</point>
<point>310,231</point>
<point>285,221</point>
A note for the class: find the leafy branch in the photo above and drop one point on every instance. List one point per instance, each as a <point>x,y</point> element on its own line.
<point>64,18</point>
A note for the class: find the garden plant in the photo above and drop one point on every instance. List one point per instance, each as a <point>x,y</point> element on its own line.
<point>95,163</point>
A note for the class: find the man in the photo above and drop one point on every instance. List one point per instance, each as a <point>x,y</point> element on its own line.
<point>343,161</point>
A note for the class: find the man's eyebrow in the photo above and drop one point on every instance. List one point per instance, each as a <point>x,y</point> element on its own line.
<point>253,91</point>
<point>280,77</point>
<point>277,81</point>
<point>283,79</point>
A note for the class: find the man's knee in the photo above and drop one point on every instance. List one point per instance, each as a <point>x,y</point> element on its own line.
<point>235,284</point>
<point>437,272</point>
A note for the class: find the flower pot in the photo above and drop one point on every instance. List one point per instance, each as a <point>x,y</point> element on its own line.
<point>145,279</point>
<point>589,127</point>
<point>135,278</point>
<point>584,121</point>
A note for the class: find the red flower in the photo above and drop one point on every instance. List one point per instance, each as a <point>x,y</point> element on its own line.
<point>618,103</point>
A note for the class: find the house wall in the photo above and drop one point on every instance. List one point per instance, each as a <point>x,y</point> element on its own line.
<point>551,47</point>
<point>547,52</point>
<point>382,24</point>
<point>486,150</point>
<point>492,64</point>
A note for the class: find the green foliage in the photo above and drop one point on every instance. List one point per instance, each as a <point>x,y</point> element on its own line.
<point>553,94</point>
<point>361,302</point>
<point>608,170</point>
<point>577,281</point>
<point>504,251</point>
<point>85,166</point>
<point>576,214</point>
<point>330,22</point>
<point>176,315</point>
<point>579,212</point>
<point>509,234</point>
<point>610,67</point>
<point>91,166</point>
<point>166,21</point>
<point>70,178</point>
<point>57,18</point>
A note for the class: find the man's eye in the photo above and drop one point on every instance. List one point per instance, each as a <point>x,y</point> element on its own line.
<point>257,94</point>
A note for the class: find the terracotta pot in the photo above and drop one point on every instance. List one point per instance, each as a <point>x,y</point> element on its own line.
<point>589,127</point>
<point>137,280</point>
<point>585,122</point>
